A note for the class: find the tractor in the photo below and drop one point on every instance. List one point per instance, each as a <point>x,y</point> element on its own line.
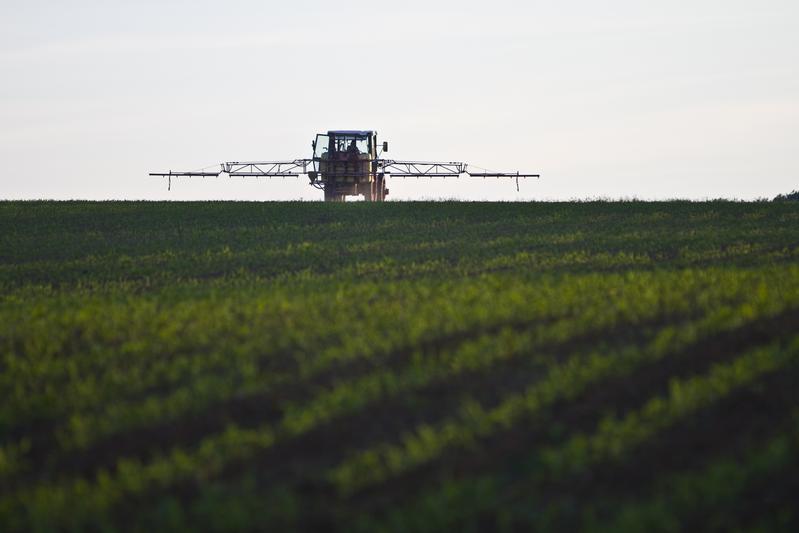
<point>346,164</point>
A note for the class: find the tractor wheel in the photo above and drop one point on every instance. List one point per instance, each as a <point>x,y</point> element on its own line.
<point>331,196</point>
<point>369,196</point>
<point>380,188</point>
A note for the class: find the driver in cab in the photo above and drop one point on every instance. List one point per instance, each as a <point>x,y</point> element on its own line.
<point>352,155</point>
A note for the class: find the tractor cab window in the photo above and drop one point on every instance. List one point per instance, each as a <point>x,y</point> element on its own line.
<point>346,144</point>
<point>321,147</point>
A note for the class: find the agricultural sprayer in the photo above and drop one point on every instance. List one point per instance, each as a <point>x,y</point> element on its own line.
<point>346,163</point>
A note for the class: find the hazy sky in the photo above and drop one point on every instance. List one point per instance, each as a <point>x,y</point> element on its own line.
<point>687,99</point>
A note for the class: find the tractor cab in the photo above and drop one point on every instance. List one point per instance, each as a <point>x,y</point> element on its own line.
<point>345,144</point>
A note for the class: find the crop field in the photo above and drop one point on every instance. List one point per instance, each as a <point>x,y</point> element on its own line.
<point>598,366</point>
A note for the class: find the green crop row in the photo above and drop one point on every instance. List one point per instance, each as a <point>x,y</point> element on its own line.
<point>565,381</point>
<point>716,490</point>
<point>612,442</point>
<point>635,304</point>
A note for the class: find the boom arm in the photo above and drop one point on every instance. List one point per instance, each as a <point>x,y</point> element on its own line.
<point>422,169</point>
<point>249,169</point>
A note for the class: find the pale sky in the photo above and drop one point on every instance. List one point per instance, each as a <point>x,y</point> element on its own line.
<point>680,99</point>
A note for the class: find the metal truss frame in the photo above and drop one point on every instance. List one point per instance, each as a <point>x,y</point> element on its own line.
<point>420,169</point>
